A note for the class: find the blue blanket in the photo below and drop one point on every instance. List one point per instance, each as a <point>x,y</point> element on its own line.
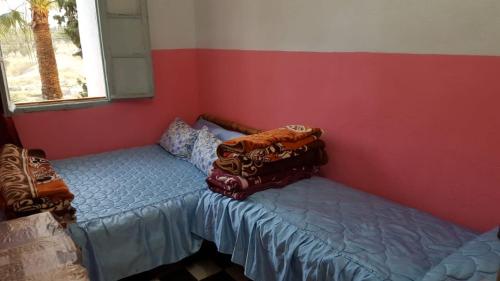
<point>133,208</point>
<point>477,260</point>
<point>316,229</point>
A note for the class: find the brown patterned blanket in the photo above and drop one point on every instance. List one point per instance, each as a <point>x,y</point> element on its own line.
<point>289,137</point>
<point>30,185</point>
<point>240,188</point>
<point>273,159</point>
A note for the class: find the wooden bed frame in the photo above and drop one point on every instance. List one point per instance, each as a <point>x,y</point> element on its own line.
<point>230,125</point>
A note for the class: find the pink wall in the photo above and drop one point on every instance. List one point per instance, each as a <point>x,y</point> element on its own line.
<point>119,124</point>
<point>423,130</point>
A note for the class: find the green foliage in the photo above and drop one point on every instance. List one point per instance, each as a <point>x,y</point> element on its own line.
<point>15,30</point>
<point>13,43</point>
<point>12,20</point>
<point>84,93</point>
<point>69,22</point>
<point>16,36</point>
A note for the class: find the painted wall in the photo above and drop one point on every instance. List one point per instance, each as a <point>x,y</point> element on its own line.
<point>172,24</point>
<point>418,128</point>
<point>122,124</point>
<point>389,26</point>
<point>421,130</point>
<point>119,124</point>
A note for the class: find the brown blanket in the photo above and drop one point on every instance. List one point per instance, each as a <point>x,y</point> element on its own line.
<point>230,125</point>
<point>289,137</point>
<point>240,188</point>
<point>30,185</point>
<point>273,159</point>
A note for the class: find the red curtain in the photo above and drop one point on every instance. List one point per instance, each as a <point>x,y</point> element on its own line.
<point>8,132</point>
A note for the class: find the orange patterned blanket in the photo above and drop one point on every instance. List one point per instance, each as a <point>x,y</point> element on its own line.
<point>289,137</point>
<point>30,185</point>
<point>273,159</point>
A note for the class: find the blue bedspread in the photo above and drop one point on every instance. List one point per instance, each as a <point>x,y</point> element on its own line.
<point>477,260</point>
<point>317,230</point>
<point>133,208</point>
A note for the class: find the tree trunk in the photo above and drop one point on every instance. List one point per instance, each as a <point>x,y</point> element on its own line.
<point>47,65</point>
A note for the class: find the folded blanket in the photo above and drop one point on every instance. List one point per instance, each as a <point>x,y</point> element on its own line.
<point>273,159</point>
<point>290,138</point>
<point>240,188</point>
<point>30,185</point>
<point>60,209</point>
<point>48,183</point>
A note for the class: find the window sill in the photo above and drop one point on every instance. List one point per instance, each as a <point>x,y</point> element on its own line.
<point>60,105</point>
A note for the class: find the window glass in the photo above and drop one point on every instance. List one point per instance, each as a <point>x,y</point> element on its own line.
<point>51,51</point>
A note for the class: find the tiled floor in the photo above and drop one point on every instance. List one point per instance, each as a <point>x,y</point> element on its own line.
<point>206,265</point>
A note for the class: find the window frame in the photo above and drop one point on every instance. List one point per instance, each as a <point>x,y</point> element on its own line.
<point>12,109</point>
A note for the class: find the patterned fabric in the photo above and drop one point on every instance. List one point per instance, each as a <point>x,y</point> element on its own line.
<point>200,123</point>
<point>38,248</point>
<point>240,188</point>
<point>135,201</point>
<point>273,159</point>
<point>16,184</point>
<point>217,130</point>
<point>479,259</point>
<point>289,137</point>
<point>204,150</point>
<point>316,229</point>
<point>61,209</point>
<point>30,185</point>
<point>179,139</point>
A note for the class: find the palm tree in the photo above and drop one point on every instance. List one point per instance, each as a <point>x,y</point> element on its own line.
<point>47,65</point>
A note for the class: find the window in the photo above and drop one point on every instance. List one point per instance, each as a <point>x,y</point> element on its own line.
<point>65,53</point>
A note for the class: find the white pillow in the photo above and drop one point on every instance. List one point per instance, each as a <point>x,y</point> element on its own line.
<point>205,150</point>
<point>179,139</point>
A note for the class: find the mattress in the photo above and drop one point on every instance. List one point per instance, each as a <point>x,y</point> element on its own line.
<point>316,229</point>
<point>132,207</point>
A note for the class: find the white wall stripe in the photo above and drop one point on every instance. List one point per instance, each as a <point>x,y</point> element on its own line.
<point>391,26</point>
<point>172,24</point>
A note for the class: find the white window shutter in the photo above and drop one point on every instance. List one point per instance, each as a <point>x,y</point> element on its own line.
<point>127,50</point>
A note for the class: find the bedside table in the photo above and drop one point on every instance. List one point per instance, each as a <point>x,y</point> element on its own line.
<point>37,248</point>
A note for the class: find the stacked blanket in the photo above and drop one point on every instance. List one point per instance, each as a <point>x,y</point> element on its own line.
<point>265,160</point>
<point>29,185</point>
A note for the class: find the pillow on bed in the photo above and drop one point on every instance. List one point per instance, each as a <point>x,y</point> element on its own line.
<point>179,139</point>
<point>225,135</point>
<point>217,130</point>
<point>205,150</point>
<point>200,123</point>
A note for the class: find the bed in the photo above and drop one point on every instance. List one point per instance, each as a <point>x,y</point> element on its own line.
<point>140,208</point>
<point>317,229</point>
<point>133,208</point>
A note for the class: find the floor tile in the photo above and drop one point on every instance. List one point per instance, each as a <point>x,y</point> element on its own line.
<point>180,275</point>
<point>236,272</point>
<point>221,276</point>
<point>203,268</point>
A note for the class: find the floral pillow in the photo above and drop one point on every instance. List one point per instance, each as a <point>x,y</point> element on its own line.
<point>179,139</point>
<point>205,150</point>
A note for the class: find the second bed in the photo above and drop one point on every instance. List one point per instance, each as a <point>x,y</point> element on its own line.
<point>317,229</point>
